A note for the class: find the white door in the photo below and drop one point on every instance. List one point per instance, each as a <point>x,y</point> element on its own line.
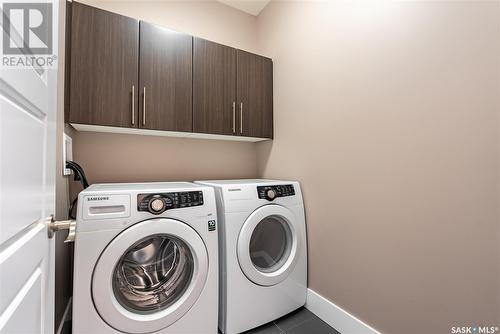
<point>150,275</point>
<point>27,174</point>
<point>268,245</point>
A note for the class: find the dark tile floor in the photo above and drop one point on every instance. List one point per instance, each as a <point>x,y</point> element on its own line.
<point>301,321</point>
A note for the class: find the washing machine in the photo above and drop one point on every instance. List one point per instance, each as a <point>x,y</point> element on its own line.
<point>263,251</point>
<point>146,259</point>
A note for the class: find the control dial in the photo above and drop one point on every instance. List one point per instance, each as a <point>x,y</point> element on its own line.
<point>157,205</point>
<point>270,194</point>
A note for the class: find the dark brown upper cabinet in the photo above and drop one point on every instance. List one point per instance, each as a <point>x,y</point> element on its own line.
<point>214,88</point>
<point>165,76</point>
<point>254,95</point>
<point>126,73</point>
<point>104,62</point>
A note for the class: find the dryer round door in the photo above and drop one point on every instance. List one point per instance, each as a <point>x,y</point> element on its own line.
<point>149,276</point>
<point>268,245</point>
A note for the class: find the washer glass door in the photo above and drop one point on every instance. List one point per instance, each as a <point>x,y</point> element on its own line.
<point>268,245</point>
<point>149,276</point>
<point>153,273</point>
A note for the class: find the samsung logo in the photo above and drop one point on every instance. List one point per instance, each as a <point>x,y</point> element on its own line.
<point>98,198</point>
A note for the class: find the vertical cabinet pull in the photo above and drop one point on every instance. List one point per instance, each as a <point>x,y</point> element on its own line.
<point>241,117</point>
<point>133,105</point>
<point>234,116</point>
<point>144,106</point>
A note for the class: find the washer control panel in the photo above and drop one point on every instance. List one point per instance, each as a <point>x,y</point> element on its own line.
<point>158,203</point>
<point>272,192</point>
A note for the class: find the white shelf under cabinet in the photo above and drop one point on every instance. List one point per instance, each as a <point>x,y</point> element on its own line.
<point>145,132</point>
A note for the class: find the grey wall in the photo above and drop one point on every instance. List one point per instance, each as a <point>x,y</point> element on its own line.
<point>387,112</point>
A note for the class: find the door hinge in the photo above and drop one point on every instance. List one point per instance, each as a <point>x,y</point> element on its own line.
<point>53,226</point>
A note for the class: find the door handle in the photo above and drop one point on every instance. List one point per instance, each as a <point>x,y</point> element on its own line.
<point>234,116</point>
<point>144,106</point>
<point>241,117</point>
<point>133,105</point>
<point>54,226</point>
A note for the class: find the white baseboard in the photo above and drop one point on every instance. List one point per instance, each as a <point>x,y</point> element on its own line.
<point>65,316</point>
<point>341,320</point>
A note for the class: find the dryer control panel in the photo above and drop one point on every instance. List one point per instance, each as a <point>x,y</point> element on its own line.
<point>272,192</point>
<point>158,203</point>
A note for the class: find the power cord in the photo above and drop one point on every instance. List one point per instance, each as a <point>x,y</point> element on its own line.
<point>79,175</point>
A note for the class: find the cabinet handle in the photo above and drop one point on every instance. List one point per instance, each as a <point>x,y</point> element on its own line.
<point>234,117</point>
<point>133,105</point>
<point>241,117</point>
<point>144,106</point>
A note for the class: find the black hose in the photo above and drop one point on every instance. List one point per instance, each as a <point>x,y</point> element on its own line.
<point>78,175</point>
<point>71,208</point>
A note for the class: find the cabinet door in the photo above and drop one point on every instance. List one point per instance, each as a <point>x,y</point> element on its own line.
<point>165,76</point>
<point>104,68</point>
<point>255,95</point>
<point>214,88</point>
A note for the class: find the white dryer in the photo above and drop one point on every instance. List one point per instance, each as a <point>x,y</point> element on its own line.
<point>146,259</point>
<point>263,251</point>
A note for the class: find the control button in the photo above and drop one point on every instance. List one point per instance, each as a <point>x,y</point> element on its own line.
<point>157,205</point>
<point>270,194</point>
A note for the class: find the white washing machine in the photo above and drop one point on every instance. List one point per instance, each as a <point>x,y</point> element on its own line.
<point>146,259</point>
<point>263,251</point>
